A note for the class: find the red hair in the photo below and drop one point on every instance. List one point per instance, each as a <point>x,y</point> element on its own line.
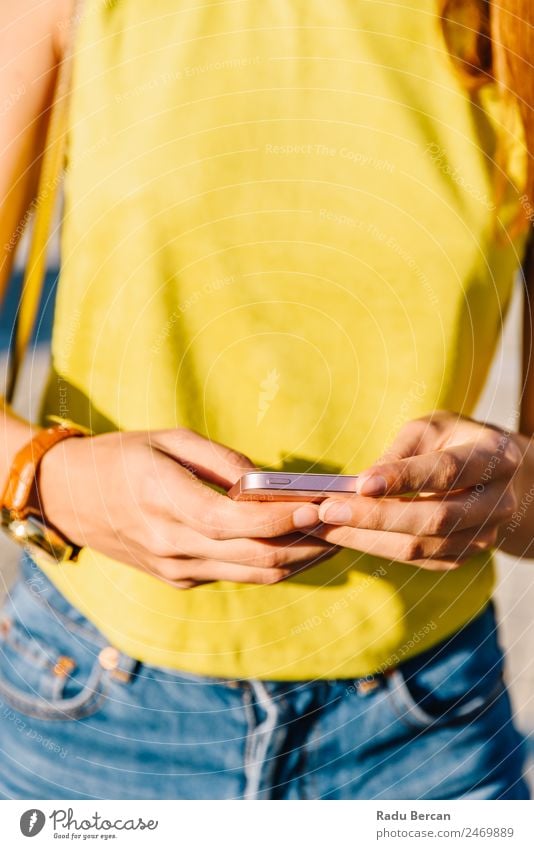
<point>493,40</point>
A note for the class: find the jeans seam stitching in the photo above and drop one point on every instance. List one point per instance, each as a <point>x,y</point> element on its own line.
<point>87,700</point>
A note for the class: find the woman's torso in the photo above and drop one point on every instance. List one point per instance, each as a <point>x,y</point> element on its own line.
<point>279,231</point>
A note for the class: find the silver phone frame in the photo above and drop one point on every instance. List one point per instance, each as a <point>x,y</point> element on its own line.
<point>287,486</point>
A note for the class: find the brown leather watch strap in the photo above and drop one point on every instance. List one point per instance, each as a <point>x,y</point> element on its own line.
<point>24,468</point>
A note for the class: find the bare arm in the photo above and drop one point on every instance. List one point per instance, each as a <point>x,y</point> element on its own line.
<point>31,43</point>
<point>30,51</point>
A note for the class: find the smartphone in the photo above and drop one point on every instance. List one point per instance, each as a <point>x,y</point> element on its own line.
<point>288,486</point>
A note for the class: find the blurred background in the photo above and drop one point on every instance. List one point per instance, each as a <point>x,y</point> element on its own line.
<point>515,592</point>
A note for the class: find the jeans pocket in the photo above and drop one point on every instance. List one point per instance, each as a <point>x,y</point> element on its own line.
<point>455,682</point>
<point>39,679</point>
<point>410,711</point>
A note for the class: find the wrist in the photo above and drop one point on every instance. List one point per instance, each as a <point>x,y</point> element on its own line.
<point>16,433</point>
<point>54,486</point>
<point>22,509</point>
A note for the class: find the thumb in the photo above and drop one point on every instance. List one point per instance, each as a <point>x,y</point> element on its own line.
<point>205,458</point>
<point>406,443</point>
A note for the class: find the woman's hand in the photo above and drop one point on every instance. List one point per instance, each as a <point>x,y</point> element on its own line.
<point>140,498</point>
<point>463,475</point>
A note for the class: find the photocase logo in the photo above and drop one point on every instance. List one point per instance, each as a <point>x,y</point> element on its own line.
<point>32,822</point>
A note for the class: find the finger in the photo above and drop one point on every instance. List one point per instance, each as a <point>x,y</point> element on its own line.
<point>457,467</point>
<point>185,584</point>
<point>207,459</point>
<point>176,570</point>
<point>449,564</point>
<point>143,565</point>
<point>219,517</point>
<point>425,515</point>
<point>408,548</point>
<point>443,428</point>
<point>406,442</point>
<point>177,494</point>
<point>290,550</point>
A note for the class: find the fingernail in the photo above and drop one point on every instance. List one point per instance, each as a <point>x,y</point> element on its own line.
<point>306,517</point>
<point>336,513</point>
<point>375,485</point>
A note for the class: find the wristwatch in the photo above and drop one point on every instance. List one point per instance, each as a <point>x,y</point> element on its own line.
<point>22,522</point>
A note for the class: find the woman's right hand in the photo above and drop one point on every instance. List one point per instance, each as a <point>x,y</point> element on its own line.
<point>139,497</point>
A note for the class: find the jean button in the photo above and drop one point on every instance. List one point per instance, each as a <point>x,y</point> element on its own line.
<point>109,658</point>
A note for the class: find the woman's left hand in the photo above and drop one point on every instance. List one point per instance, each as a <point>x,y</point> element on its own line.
<point>449,484</point>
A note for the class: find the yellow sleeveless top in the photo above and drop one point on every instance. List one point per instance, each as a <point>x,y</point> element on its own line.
<point>281,231</point>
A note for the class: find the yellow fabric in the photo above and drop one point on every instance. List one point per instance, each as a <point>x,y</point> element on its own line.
<point>279,231</point>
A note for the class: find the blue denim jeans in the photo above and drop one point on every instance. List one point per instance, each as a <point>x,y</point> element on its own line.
<point>79,720</point>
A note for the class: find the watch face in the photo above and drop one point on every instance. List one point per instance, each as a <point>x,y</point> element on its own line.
<point>38,539</point>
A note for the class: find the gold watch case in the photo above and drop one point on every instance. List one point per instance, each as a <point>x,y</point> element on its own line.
<point>37,538</point>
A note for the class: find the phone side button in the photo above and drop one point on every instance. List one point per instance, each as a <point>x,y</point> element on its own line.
<point>278,481</point>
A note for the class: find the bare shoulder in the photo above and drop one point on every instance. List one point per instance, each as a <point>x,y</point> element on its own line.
<point>34,26</point>
<point>32,38</point>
